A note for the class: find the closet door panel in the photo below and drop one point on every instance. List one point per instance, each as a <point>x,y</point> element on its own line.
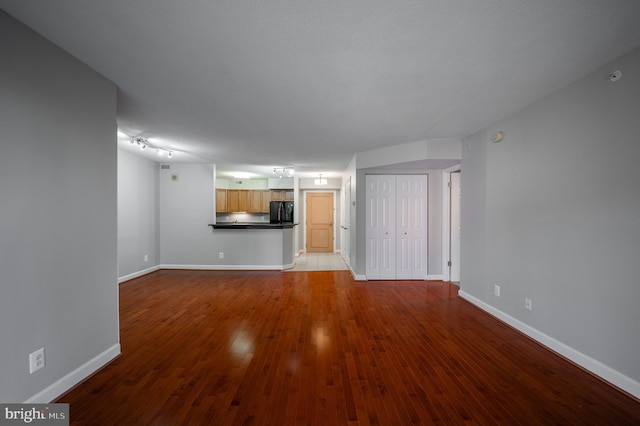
<point>418,228</point>
<point>372,230</point>
<point>404,262</point>
<point>380,226</point>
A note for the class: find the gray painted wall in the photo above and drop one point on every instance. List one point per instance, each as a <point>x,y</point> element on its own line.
<point>186,208</point>
<point>58,264</point>
<point>138,224</point>
<point>553,213</point>
<point>168,219</point>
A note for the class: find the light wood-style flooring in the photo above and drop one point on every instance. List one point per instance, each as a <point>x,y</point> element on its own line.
<point>317,348</point>
<point>318,262</point>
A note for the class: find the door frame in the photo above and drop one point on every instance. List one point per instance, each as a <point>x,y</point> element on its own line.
<point>446,225</point>
<point>335,219</point>
<point>345,219</point>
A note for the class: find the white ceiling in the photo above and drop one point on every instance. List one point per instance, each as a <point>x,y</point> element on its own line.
<point>251,85</point>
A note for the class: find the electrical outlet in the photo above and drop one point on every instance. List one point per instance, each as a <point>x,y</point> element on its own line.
<point>36,360</point>
<point>496,290</point>
<point>146,257</point>
<point>527,304</point>
<point>221,255</point>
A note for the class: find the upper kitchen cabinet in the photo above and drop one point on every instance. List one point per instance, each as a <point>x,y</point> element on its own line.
<point>230,198</point>
<point>282,195</point>
<point>265,200</point>
<point>237,200</point>
<point>221,201</point>
<point>233,204</point>
<point>243,200</point>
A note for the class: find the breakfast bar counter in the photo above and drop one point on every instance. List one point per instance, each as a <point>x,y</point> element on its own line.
<point>253,245</point>
<point>251,225</point>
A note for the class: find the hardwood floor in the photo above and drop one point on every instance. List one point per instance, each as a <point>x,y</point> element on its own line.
<point>317,348</point>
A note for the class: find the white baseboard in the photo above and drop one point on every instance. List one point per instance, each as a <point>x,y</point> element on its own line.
<point>356,276</point>
<point>138,274</point>
<point>594,366</point>
<point>226,267</point>
<point>364,277</point>
<point>76,376</point>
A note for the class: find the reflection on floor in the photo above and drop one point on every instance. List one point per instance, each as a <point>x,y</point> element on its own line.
<point>319,262</point>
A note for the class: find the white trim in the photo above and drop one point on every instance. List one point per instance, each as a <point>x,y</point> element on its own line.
<point>138,274</point>
<point>594,366</point>
<point>446,202</point>
<point>435,278</point>
<point>63,385</point>
<point>228,267</point>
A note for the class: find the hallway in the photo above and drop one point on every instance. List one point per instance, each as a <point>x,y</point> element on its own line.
<point>319,262</point>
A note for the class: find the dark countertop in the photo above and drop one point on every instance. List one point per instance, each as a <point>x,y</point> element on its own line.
<point>251,225</point>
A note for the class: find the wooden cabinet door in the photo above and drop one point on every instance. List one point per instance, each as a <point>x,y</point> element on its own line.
<point>243,200</point>
<point>288,195</point>
<point>255,200</point>
<point>221,200</point>
<point>266,199</point>
<point>233,200</point>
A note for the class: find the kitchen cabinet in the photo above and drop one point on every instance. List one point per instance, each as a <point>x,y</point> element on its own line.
<point>237,200</point>
<point>232,200</point>
<point>266,199</point>
<point>221,201</point>
<point>243,200</point>
<point>249,201</point>
<point>282,195</point>
<point>255,201</point>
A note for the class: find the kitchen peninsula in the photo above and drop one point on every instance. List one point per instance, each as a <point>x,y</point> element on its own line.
<point>257,245</point>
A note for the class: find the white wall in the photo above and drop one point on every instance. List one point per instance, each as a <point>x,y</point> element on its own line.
<point>553,213</point>
<point>58,264</point>
<point>138,224</point>
<point>187,206</point>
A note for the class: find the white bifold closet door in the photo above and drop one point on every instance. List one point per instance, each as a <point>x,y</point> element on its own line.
<point>411,227</point>
<point>381,227</point>
<point>396,227</point>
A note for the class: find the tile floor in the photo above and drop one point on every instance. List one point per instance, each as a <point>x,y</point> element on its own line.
<point>318,262</point>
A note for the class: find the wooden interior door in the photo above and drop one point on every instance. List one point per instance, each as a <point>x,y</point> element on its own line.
<point>319,222</point>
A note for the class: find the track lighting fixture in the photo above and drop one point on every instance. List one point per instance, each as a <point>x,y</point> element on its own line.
<point>143,144</point>
<point>283,172</point>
